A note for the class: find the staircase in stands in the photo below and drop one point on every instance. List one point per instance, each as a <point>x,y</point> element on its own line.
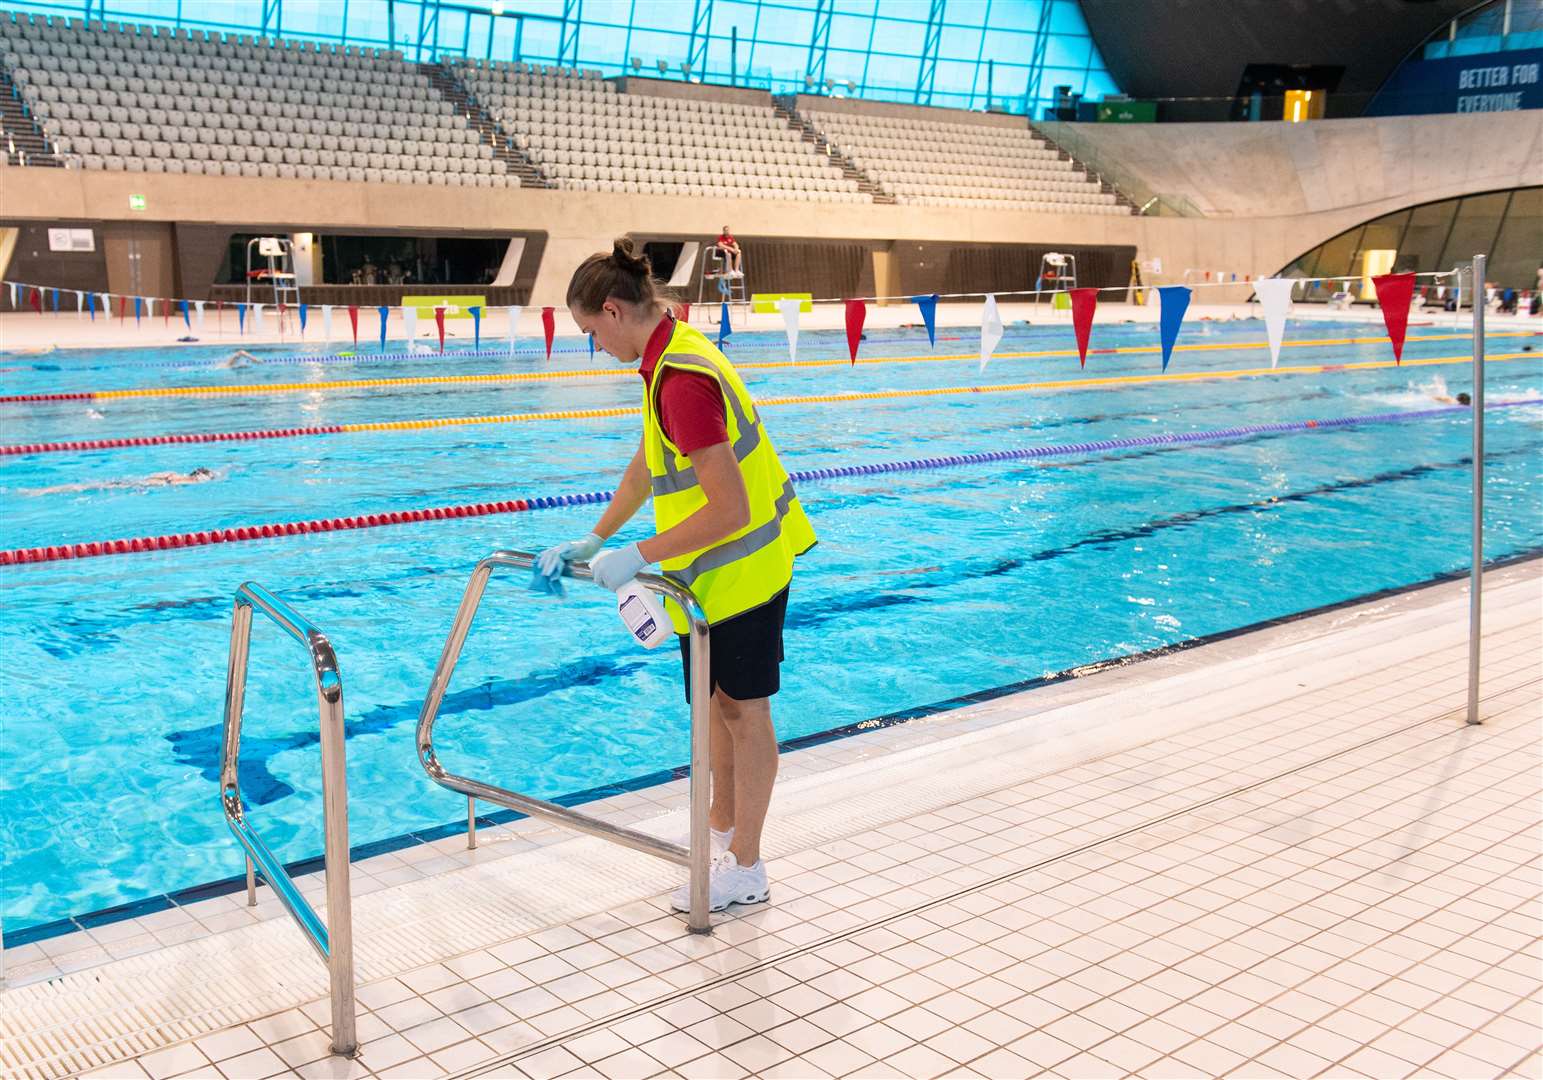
<point>1104,185</point>
<point>20,139</point>
<point>515,160</point>
<point>783,106</point>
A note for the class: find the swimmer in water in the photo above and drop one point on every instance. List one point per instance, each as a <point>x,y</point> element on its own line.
<point>239,358</point>
<point>154,480</point>
<point>1460,399</point>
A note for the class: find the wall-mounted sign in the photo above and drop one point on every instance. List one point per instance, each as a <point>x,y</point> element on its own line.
<point>71,240</point>
<point>136,202</point>
<point>1488,82</point>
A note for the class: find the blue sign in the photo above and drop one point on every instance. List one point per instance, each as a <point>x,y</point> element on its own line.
<point>1486,82</point>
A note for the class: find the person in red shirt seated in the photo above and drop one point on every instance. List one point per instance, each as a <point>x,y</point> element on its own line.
<point>731,253</point>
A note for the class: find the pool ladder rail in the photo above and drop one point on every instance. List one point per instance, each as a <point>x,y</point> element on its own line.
<point>333,939</point>
<point>697,856</point>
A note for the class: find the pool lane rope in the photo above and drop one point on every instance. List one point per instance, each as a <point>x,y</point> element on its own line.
<point>620,373</point>
<point>433,423</point>
<point>272,530</point>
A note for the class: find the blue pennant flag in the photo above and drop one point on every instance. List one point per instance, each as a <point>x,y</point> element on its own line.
<point>1174,302</point>
<point>187,322</point>
<point>591,348</point>
<point>302,315</point>
<point>91,303</point>
<point>138,307</point>
<point>476,327</point>
<point>385,313</point>
<point>241,316</point>
<point>724,329</point>
<point>929,309</point>
<point>56,301</point>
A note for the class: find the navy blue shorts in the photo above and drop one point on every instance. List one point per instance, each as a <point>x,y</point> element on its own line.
<point>746,652</point>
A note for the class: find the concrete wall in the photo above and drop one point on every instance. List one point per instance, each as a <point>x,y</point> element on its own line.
<point>820,103</point>
<point>1272,170</point>
<point>678,88</point>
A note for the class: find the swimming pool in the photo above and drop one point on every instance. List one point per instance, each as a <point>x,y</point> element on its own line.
<point>926,585</point>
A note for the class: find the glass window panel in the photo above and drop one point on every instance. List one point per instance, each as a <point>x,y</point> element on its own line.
<point>1519,251</point>
<point>1067,52</point>
<point>959,43</point>
<point>953,77</point>
<point>1336,259</point>
<point>1066,18</point>
<point>614,12</point>
<point>966,12</point>
<point>1478,220</point>
<point>849,32</point>
<point>1023,15</point>
<point>1426,235</point>
<point>904,38</point>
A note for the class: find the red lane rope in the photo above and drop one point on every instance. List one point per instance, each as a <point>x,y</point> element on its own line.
<point>166,440</point>
<point>256,532</point>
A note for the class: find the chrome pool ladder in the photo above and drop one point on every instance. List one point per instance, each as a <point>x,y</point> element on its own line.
<point>696,857</point>
<point>333,939</point>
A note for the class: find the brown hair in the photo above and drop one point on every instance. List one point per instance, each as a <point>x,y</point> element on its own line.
<point>624,274</point>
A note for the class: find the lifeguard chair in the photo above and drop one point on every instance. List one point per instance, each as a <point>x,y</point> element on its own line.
<point>278,274</point>
<point>717,284</point>
<point>1057,273</point>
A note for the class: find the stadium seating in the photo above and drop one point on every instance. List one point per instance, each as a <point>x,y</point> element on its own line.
<point>937,163</point>
<point>145,99</point>
<point>588,137</point>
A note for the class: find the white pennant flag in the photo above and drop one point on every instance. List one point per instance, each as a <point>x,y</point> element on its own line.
<point>990,329</point>
<point>1275,298</point>
<point>149,306</point>
<point>790,310</point>
<point>410,323</point>
<point>326,324</point>
<point>257,318</point>
<point>80,304</point>
<point>514,325</point>
<point>198,316</point>
<point>12,284</point>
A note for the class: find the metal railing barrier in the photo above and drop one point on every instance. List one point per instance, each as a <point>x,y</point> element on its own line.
<point>696,858</point>
<point>334,939</point>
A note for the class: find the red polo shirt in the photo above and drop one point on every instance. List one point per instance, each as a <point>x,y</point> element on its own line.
<point>690,405</point>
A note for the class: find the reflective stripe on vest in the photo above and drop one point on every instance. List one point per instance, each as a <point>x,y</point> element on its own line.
<point>750,567</point>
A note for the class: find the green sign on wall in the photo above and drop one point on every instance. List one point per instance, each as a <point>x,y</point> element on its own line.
<point>1127,112</point>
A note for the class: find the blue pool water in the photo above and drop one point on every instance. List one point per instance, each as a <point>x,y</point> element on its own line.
<point>925,585</point>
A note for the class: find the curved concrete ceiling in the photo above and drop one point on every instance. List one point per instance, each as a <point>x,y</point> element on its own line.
<point>1199,48</point>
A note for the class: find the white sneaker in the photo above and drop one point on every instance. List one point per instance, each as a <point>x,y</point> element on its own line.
<point>720,840</point>
<point>730,883</point>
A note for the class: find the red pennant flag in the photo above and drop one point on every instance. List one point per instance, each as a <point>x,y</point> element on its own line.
<point>165,313</point>
<point>439,321</point>
<point>1395,292</point>
<point>685,312</point>
<point>37,300</point>
<point>353,320</point>
<point>123,308</point>
<point>1083,303</point>
<point>548,328</point>
<point>857,312</point>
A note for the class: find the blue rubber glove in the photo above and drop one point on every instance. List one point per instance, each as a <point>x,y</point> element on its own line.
<point>546,574</point>
<point>613,569</point>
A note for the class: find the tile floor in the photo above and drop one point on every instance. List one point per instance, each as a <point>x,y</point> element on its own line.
<point>1321,872</point>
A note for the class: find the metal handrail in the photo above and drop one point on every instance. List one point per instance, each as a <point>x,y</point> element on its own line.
<point>696,857</point>
<point>334,945</point>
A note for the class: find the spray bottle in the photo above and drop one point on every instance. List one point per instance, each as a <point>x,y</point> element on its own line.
<point>644,615</point>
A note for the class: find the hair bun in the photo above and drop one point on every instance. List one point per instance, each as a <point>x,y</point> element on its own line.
<point>626,257</point>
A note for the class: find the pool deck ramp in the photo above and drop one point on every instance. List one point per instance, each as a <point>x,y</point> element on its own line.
<point>1277,854</point>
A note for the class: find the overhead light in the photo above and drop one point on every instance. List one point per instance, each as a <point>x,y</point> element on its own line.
<point>637,63</point>
<point>664,66</point>
<point>497,8</point>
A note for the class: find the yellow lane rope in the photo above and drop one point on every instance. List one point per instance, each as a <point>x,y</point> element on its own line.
<point>766,365</point>
<point>877,395</point>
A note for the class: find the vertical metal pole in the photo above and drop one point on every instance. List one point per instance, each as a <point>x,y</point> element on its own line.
<point>701,776</point>
<point>1476,582</point>
<point>251,883</point>
<point>340,928</point>
<point>471,823</point>
<point>734,55</point>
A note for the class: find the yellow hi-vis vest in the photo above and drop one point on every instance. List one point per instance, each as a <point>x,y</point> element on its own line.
<point>753,565</point>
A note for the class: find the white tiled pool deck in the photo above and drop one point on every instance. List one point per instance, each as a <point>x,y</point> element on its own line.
<point>1280,854</point>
